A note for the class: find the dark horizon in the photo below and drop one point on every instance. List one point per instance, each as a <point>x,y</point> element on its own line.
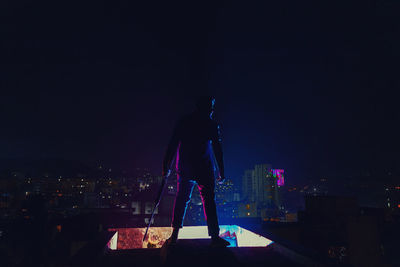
<point>307,87</point>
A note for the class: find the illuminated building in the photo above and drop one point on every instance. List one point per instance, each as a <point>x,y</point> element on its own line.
<point>224,192</point>
<point>392,197</point>
<point>227,204</point>
<point>273,202</point>
<point>247,186</point>
<point>278,173</point>
<point>248,210</point>
<point>262,186</point>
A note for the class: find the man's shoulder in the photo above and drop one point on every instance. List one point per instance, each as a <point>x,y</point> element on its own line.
<point>184,119</point>
<point>191,118</point>
<point>214,122</point>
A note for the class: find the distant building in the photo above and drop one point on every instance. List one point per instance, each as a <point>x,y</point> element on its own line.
<point>224,193</point>
<point>247,185</point>
<point>135,206</point>
<point>91,200</point>
<point>227,200</point>
<point>248,210</point>
<point>261,188</point>
<point>392,197</point>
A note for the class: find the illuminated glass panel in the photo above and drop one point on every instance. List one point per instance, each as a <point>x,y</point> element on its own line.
<point>112,244</point>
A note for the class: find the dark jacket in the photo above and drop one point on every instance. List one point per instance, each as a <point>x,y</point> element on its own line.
<point>195,140</point>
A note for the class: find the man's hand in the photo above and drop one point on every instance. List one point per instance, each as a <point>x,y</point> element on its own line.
<point>166,173</point>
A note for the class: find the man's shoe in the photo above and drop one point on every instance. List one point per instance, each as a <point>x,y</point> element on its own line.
<point>167,249</point>
<point>170,242</point>
<point>219,242</point>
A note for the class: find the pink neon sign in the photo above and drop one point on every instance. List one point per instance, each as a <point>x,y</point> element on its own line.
<point>278,173</point>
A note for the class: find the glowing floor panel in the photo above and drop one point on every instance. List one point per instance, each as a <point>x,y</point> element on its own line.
<point>131,238</point>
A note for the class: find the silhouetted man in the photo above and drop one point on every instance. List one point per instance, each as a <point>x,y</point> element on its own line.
<point>195,141</point>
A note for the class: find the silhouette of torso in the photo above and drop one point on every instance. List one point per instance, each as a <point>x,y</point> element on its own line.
<point>195,157</point>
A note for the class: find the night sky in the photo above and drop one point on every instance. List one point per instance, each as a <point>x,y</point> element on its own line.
<point>308,86</point>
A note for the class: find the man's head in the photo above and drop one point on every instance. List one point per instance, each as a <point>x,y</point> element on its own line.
<point>205,105</point>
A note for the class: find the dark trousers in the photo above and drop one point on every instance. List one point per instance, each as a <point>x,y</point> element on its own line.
<point>182,199</point>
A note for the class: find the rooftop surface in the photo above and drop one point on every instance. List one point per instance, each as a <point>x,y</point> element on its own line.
<point>126,248</point>
<point>198,253</point>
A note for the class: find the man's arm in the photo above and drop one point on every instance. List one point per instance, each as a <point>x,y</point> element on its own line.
<point>171,150</point>
<point>217,147</point>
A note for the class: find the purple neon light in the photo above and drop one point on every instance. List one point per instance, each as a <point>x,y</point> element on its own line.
<point>278,173</point>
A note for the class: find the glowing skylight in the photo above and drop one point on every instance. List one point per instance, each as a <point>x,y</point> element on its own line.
<point>131,238</point>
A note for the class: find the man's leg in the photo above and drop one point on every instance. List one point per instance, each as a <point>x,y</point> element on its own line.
<point>183,195</point>
<point>210,212</point>
<point>207,194</point>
